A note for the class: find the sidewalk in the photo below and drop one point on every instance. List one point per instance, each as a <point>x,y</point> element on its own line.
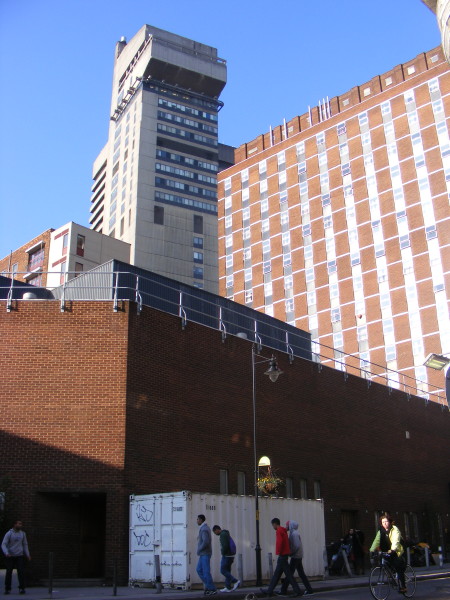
<point>135,593</point>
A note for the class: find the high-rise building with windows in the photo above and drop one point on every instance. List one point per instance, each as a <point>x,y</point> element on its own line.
<point>155,181</point>
<point>338,222</point>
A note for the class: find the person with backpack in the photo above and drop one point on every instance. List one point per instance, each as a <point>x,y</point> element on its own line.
<point>388,540</point>
<point>228,551</point>
<point>15,549</point>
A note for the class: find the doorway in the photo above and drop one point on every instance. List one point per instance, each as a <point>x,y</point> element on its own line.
<point>72,527</point>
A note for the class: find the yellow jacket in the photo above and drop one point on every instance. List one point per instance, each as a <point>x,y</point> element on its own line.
<point>394,538</point>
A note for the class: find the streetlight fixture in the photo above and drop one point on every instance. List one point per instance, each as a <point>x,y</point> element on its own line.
<point>439,362</point>
<point>273,372</point>
<point>436,361</point>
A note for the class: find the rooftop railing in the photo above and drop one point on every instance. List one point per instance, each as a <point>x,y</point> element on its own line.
<point>190,304</point>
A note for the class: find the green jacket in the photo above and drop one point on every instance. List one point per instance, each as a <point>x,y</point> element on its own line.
<point>224,538</point>
<point>394,538</point>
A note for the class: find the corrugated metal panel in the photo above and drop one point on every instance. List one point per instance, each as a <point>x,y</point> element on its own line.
<point>166,524</point>
<point>97,284</point>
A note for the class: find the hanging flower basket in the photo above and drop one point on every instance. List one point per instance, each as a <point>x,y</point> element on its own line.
<point>270,483</point>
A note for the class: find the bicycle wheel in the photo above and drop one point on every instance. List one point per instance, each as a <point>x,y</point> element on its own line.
<point>379,583</point>
<point>410,582</point>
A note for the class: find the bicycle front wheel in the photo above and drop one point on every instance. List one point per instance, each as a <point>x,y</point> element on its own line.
<point>379,583</point>
<point>410,582</point>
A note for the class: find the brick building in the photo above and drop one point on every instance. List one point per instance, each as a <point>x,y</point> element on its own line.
<point>58,255</point>
<point>337,222</point>
<point>29,263</point>
<point>108,398</point>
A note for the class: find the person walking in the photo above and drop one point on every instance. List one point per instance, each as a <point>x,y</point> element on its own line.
<point>15,549</point>
<point>283,550</point>
<point>204,552</point>
<point>231,583</point>
<point>296,562</point>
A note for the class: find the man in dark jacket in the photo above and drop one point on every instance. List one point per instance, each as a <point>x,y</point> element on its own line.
<point>282,549</point>
<point>231,583</point>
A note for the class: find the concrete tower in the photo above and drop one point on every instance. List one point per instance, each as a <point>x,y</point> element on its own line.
<point>155,180</point>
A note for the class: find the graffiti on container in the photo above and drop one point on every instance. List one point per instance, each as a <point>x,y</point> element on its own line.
<point>167,564</point>
<point>142,540</point>
<point>143,513</point>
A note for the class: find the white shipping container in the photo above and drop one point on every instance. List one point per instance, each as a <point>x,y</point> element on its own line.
<point>166,525</point>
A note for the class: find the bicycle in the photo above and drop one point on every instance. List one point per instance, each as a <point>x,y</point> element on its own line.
<point>384,578</point>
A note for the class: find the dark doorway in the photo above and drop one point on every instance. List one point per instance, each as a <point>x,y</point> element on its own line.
<point>349,520</point>
<point>72,527</point>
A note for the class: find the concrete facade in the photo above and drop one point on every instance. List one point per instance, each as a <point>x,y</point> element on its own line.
<point>441,9</point>
<point>155,180</point>
<point>338,223</point>
<point>75,249</point>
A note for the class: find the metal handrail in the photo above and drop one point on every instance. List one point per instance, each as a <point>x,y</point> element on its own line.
<point>118,293</point>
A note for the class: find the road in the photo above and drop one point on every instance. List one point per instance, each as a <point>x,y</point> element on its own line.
<point>435,589</point>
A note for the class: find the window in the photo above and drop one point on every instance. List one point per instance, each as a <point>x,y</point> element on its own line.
<point>198,257</point>
<point>317,491</point>
<point>335,315</point>
<point>36,259</point>
<point>289,487</point>
<point>248,296</point>
<point>81,240</point>
<point>223,481</point>
<point>62,277</point>
<point>198,272</point>
<point>431,232</point>
<point>326,200</point>
<point>198,242</point>
<point>158,216</point>
<point>78,268</point>
<point>65,243</point>
<point>198,224</point>
<point>306,230</point>
<point>241,483</point>
<point>345,169</point>
<point>332,267</point>
<point>341,129</point>
<point>303,489</point>
<point>404,241</point>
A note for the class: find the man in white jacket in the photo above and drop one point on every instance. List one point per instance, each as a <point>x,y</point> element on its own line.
<point>296,562</point>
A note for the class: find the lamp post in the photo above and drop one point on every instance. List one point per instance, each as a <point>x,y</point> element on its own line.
<point>273,373</point>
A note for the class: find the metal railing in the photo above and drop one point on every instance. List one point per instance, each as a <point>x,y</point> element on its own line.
<point>229,318</point>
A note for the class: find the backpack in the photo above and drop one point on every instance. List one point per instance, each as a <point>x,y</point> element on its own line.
<point>232,545</point>
<point>406,542</point>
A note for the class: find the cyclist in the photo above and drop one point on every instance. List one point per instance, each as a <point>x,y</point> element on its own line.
<point>388,541</point>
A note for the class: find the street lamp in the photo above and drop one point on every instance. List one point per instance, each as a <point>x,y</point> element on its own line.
<point>273,373</point>
<point>439,362</point>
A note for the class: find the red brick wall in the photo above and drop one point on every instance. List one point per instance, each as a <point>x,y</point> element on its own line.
<point>120,403</point>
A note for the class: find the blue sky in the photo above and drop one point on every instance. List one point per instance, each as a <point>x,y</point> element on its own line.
<point>56,70</point>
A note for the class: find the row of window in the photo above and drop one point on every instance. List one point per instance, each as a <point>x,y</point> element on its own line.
<point>291,490</point>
